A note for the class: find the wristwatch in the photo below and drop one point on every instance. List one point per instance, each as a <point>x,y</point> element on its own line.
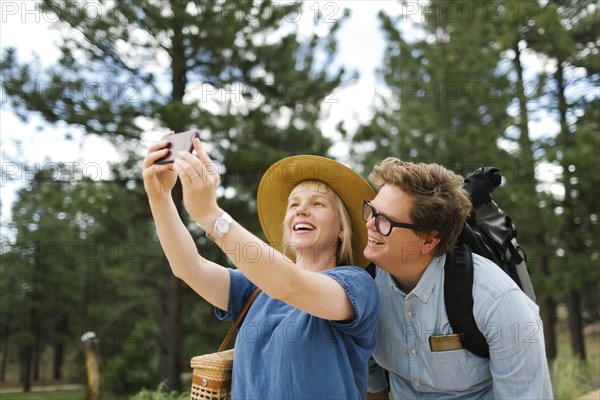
<point>221,227</point>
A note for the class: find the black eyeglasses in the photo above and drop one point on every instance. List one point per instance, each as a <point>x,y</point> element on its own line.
<point>383,224</point>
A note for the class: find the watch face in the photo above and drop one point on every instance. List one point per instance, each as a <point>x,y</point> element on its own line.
<point>222,226</point>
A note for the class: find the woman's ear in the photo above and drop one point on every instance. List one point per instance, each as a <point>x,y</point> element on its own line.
<point>431,241</point>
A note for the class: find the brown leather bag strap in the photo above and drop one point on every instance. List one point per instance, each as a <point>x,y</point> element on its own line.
<point>239,319</point>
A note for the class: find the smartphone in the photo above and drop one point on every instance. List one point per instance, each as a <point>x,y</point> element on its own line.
<point>178,142</point>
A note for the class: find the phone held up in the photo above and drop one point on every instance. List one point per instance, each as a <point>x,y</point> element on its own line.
<point>178,142</point>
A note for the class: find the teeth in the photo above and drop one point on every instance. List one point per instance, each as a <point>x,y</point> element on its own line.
<point>299,227</point>
<point>373,241</point>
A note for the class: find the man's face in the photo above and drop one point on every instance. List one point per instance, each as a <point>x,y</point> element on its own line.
<point>402,248</point>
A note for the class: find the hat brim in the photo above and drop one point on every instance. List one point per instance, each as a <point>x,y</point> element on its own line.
<point>279,180</point>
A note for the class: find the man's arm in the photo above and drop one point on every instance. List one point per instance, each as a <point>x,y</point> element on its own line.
<point>517,352</point>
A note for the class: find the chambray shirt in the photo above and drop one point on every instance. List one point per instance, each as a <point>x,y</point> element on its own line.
<point>516,369</point>
<point>282,352</point>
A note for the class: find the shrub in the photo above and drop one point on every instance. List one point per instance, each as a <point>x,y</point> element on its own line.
<point>160,394</point>
<point>136,366</point>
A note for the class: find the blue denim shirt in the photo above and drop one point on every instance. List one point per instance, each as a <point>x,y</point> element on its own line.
<point>282,352</point>
<point>517,367</point>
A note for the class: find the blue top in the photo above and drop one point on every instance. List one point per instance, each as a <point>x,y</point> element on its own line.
<point>509,320</point>
<point>282,352</point>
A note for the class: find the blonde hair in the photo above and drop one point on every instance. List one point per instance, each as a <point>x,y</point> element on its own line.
<point>344,250</point>
<point>440,202</point>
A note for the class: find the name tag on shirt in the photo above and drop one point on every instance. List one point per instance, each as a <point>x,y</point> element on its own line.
<point>445,342</point>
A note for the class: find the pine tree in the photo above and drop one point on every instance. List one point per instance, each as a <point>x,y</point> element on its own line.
<point>237,71</point>
<point>459,44</point>
<point>41,268</point>
<point>566,32</point>
<point>448,98</point>
<point>515,23</point>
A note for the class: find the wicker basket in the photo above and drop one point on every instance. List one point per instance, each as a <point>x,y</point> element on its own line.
<point>211,379</point>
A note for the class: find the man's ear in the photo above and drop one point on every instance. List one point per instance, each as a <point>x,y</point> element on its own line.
<point>431,241</point>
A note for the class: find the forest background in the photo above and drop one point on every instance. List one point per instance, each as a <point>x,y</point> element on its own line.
<point>465,84</point>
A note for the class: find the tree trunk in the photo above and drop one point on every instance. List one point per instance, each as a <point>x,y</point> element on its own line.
<point>547,307</point>
<point>541,265</point>
<point>548,315</point>
<point>59,349</point>
<point>576,324</point>
<point>570,227</point>
<point>3,364</point>
<point>26,353</point>
<point>169,368</point>
<point>170,322</point>
<point>5,349</point>
<point>25,360</point>
<point>37,352</point>
<point>170,331</point>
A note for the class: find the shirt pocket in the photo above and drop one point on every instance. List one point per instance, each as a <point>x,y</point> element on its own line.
<point>456,370</point>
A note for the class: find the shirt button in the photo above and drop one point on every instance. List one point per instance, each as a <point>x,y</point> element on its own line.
<point>413,352</point>
<point>417,383</point>
<point>410,314</point>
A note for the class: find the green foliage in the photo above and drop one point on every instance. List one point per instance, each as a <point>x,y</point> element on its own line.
<point>237,71</point>
<point>448,97</point>
<point>564,33</point>
<point>82,260</point>
<point>459,93</point>
<point>161,393</point>
<point>135,364</point>
<point>202,332</point>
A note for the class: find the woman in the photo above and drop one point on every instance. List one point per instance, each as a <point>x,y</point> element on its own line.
<point>311,330</point>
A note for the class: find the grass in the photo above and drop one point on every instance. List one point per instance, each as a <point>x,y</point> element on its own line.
<point>160,394</point>
<point>67,394</point>
<point>571,377</point>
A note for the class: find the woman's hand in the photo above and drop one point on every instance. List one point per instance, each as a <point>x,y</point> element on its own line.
<point>158,179</point>
<point>199,179</point>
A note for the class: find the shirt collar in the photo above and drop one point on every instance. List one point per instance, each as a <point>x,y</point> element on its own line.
<point>392,282</point>
<point>429,278</point>
<point>426,283</point>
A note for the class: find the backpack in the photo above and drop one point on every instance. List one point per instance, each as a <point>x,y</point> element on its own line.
<point>490,233</point>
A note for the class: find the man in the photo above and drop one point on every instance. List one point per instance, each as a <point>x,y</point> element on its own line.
<point>413,221</point>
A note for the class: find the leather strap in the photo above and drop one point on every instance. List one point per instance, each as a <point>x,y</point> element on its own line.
<point>239,319</point>
<point>210,383</point>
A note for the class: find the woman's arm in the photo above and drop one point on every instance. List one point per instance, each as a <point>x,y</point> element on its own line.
<point>280,278</point>
<point>209,280</point>
<point>271,271</point>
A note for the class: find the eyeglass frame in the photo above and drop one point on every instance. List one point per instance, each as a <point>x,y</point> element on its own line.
<point>393,224</point>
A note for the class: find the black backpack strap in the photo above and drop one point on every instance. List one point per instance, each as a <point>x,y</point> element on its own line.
<point>372,270</point>
<point>458,297</point>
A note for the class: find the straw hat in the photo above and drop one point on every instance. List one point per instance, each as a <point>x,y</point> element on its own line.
<point>279,180</point>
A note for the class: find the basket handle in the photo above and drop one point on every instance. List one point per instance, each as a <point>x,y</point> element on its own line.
<point>239,319</point>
